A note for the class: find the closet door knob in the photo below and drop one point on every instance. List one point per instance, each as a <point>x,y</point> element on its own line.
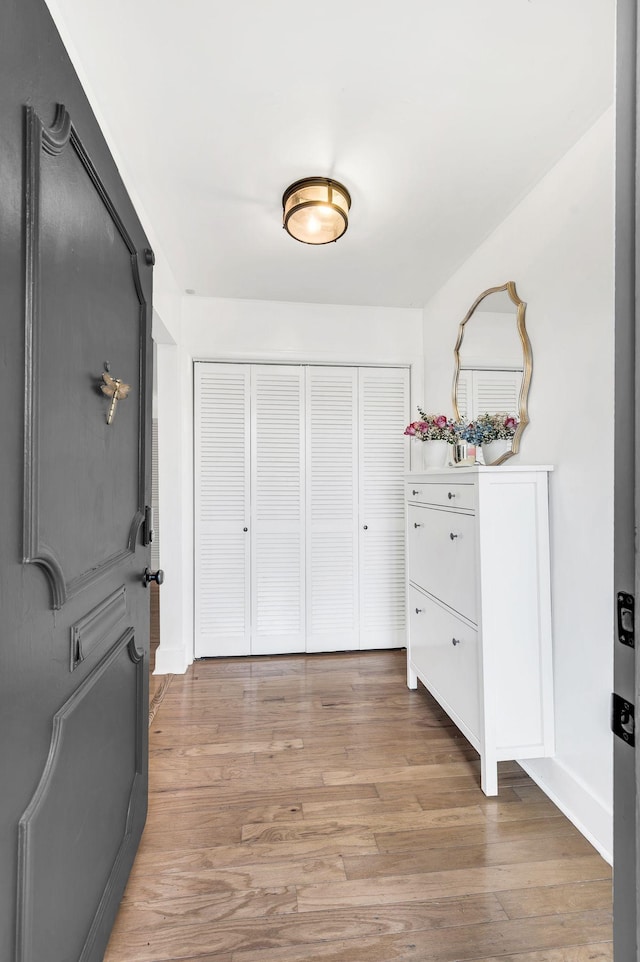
<point>419,610</point>
<point>453,536</point>
<point>417,525</point>
<point>450,495</point>
<point>365,527</point>
<point>415,492</point>
<point>245,529</point>
<point>455,641</point>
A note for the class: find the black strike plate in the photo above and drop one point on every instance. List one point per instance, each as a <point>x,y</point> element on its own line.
<point>626,619</point>
<point>147,529</point>
<point>623,719</point>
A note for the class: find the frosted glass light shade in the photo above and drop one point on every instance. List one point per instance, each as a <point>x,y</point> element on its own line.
<point>316,210</point>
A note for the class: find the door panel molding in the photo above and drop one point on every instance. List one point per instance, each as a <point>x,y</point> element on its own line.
<point>90,631</point>
<point>51,812</point>
<point>53,141</point>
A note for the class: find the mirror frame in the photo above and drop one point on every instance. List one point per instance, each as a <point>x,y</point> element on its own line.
<point>523,411</point>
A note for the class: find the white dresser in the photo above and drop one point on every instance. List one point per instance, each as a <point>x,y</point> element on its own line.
<point>480,606</point>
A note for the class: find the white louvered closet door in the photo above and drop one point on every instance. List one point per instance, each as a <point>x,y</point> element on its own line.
<point>488,392</point>
<point>384,458</point>
<point>332,508</point>
<point>496,391</point>
<point>222,624</point>
<point>277,509</point>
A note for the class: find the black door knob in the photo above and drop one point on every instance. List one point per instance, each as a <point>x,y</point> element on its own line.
<point>149,575</point>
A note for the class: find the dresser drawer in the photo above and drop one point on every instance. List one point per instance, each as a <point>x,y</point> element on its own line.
<point>442,493</point>
<point>444,651</point>
<point>442,556</point>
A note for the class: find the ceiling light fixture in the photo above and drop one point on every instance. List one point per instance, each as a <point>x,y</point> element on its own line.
<point>315,210</point>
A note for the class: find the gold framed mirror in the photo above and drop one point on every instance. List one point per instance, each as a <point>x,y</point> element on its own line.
<point>493,361</point>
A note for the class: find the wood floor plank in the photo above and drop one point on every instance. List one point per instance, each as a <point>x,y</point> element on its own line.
<point>408,820</point>
<point>248,746</point>
<point>358,807</point>
<point>155,861</point>
<point>466,856</point>
<point>485,831</point>
<point>227,795</point>
<point>312,807</point>
<point>256,875</point>
<point>166,811</point>
<point>456,882</point>
<point>465,942</point>
<point>600,952</point>
<point>452,783</point>
<point>226,780</point>
<point>474,796</point>
<point>409,738</point>
<point>554,899</point>
<point>397,775</point>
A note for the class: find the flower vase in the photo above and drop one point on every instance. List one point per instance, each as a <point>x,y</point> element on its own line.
<point>435,454</point>
<point>492,451</point>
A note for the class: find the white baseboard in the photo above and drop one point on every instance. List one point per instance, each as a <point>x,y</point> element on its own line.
<point>170,661</point>
<point>574,799</point>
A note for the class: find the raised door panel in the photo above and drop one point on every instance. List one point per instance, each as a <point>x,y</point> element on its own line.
<point>83,510</point>
<point>332,508</point>
<point>383,461</point>
<point>222,477</point>
<point>277,509</point>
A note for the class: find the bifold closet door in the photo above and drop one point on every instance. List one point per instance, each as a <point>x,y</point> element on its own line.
<point>277,526</point>
<point>383,460</point>
<point>222,510</point>
<point>332,508</point>
<point>488,392</point>
<point>299,508</point>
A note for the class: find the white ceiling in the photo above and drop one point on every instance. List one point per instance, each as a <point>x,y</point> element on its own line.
<point>438,115</point>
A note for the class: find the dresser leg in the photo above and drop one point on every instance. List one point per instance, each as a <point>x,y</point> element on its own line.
<point>412,678</point>
<point>489,775</point>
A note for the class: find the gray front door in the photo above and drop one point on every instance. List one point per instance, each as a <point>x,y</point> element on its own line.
<point>75,309</point>
<point>627,504</point>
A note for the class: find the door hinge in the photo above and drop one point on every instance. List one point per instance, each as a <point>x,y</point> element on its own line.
<point>623,719</point>
<point>626,618</point>
<point>147,528</point>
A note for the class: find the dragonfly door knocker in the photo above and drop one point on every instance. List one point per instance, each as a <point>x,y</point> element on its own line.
<point>114,388</point>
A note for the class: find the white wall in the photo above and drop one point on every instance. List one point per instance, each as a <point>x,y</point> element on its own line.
<point>557,245</point>
<point>224,329</point>
<point>257,330</point>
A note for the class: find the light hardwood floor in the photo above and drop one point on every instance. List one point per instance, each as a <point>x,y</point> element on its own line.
<point>313,808</point>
